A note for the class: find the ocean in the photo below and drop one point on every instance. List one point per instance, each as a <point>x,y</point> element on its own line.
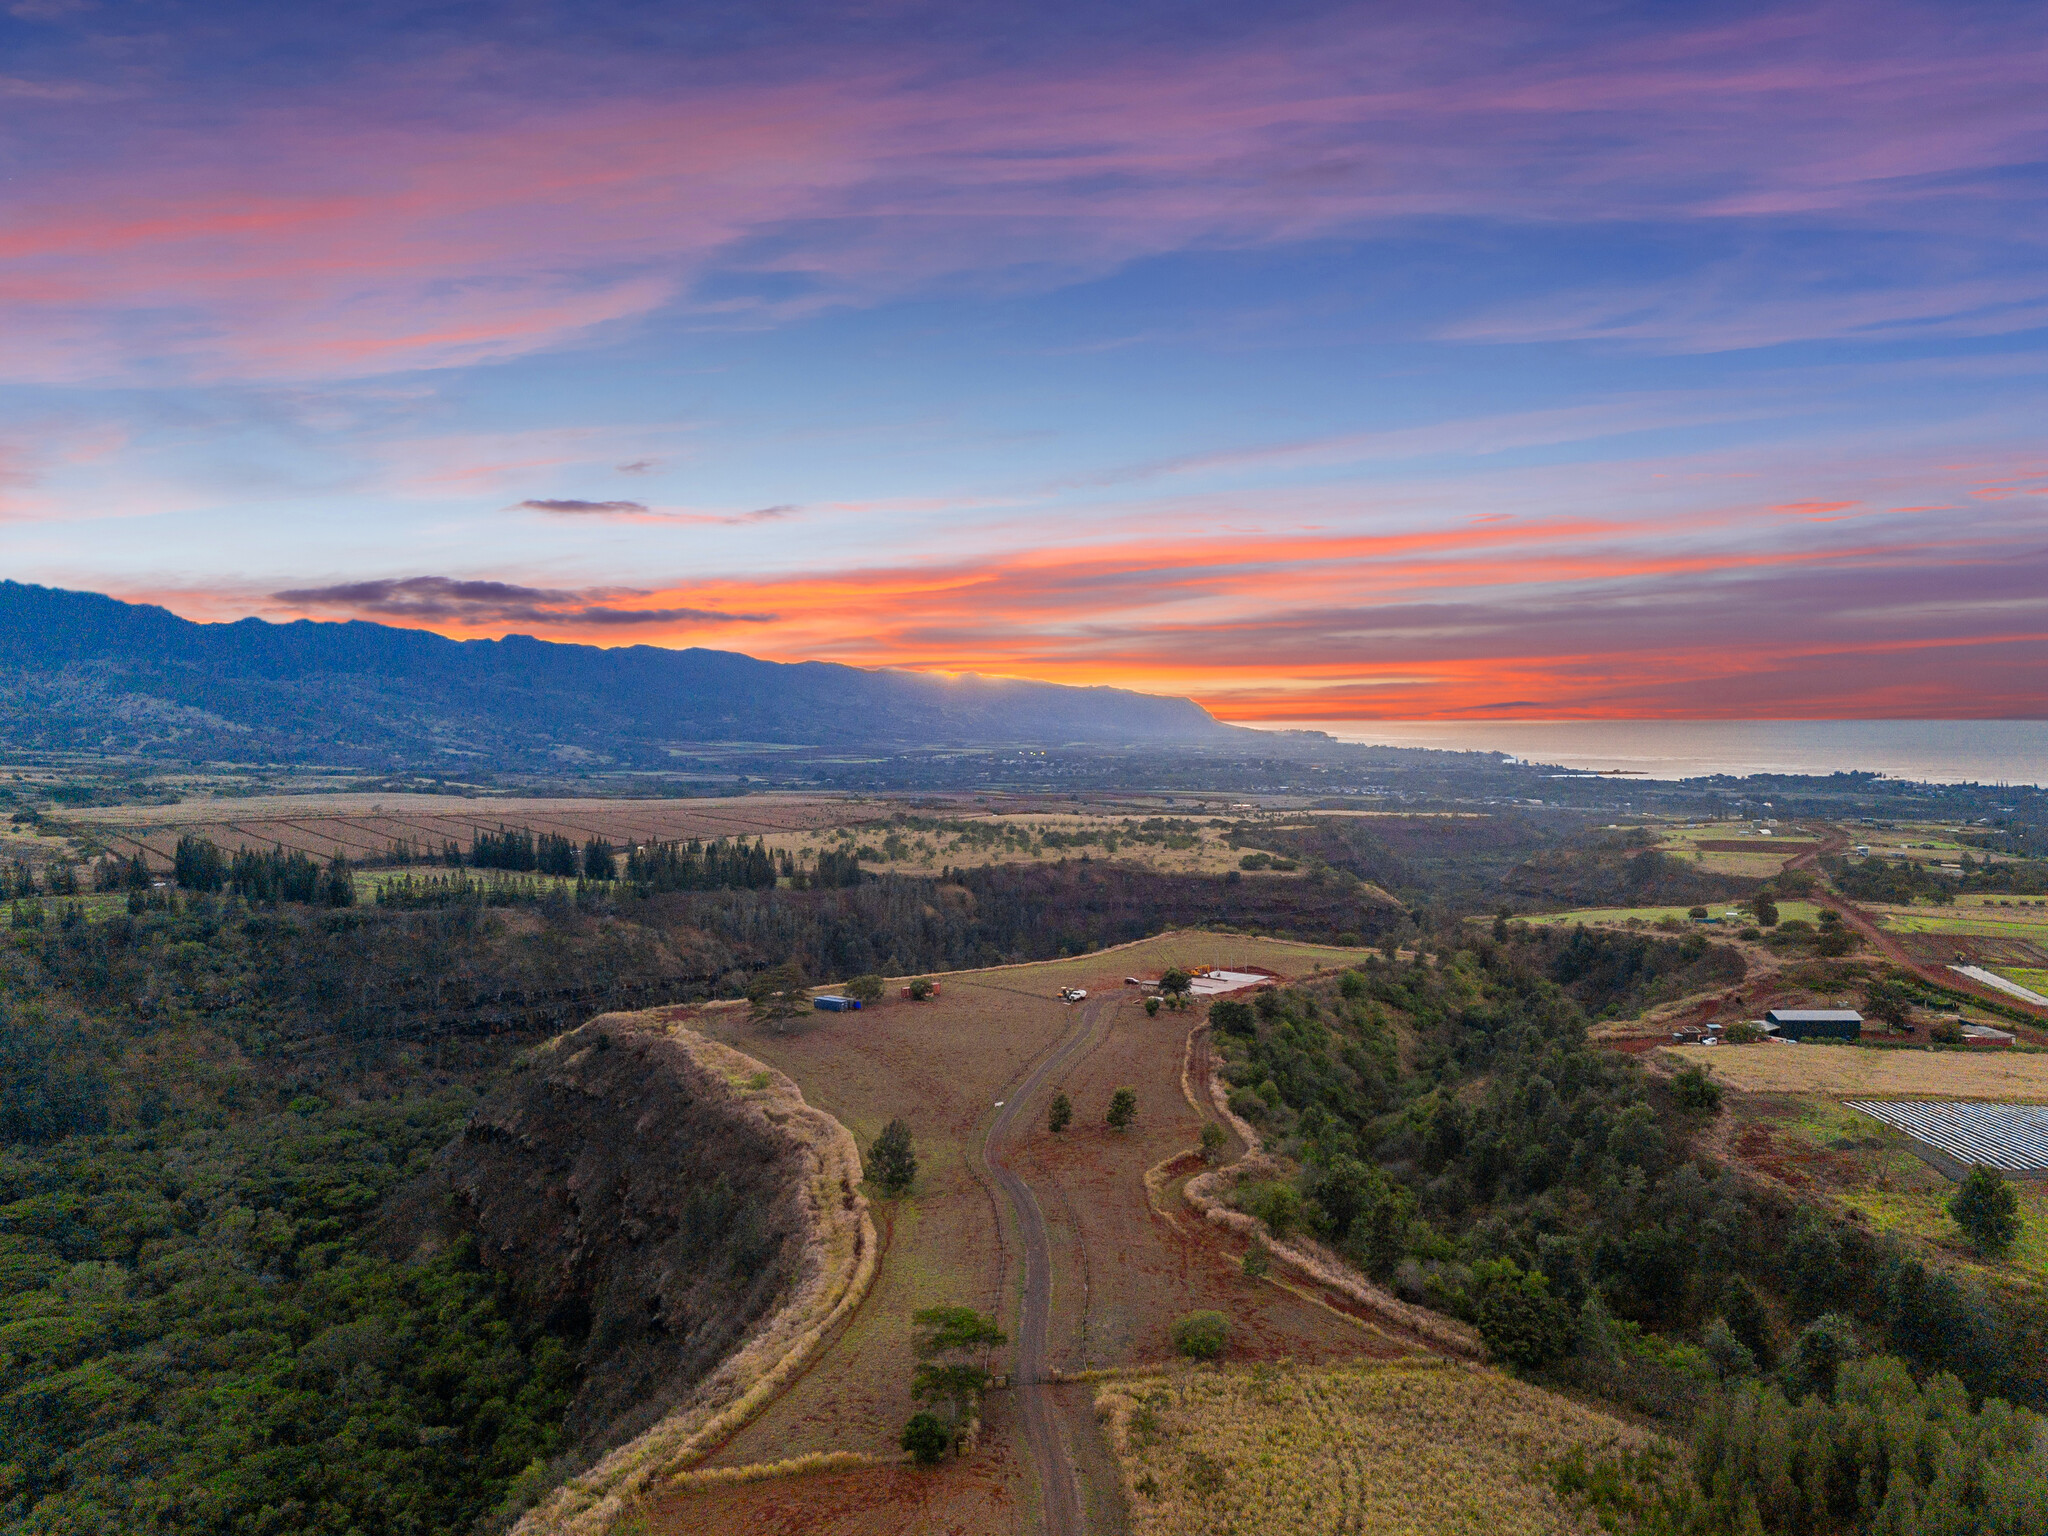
<point>1932,751</point>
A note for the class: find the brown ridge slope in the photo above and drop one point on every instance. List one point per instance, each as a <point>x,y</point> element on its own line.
<point>686,1202</point>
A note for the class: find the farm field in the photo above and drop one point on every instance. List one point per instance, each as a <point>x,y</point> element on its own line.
<point>1121,1273</point>
<point>1419,1446</point>
<point>1847,1071</point>
<point>1826,1150</point>
<point>1611,915</point>
<point>917,837</point>
<point>364,828</point>
<point>1985,922</point>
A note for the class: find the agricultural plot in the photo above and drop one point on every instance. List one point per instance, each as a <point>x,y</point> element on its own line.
<point>366,828</point>
<point>1850,1072</point>
<point>1122,1272</point>
<point>1825,1150</point>
<point>2012,1138</point>
<point>1622,916</point>
<point>1409,1446</point>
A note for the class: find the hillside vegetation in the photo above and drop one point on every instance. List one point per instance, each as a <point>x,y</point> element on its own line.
<point>1457,1136</point>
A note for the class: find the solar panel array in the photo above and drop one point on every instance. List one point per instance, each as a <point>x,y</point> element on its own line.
<point>2013,1138</point>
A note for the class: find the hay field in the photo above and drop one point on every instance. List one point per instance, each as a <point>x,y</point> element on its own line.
<point>1403,1447</point>
<point>1847,1071</point>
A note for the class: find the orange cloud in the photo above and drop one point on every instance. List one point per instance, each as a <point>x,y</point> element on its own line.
<point>1567,617</point>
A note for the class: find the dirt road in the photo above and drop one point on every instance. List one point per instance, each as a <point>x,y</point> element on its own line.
<point>1060,1490</point>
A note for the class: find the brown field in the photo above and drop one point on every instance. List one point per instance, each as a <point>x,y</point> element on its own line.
<point>1850,1072</point>
<point>1122,1272</point>
<point>1411,1446</point>
<point>365,827</point>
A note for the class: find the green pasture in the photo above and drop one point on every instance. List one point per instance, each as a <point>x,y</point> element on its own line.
<point>1976,927</point>
<point>1787,910</point>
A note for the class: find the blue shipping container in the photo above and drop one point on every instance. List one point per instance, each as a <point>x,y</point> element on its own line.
<point>837,1004</point>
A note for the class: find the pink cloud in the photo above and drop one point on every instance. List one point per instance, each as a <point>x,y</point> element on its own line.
<point>329,239</point>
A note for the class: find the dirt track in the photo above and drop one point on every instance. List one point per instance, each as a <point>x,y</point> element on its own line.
<point>1059,1489</point>
<point>1888,946</point>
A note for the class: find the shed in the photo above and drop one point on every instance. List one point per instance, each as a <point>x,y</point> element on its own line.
<point>1816,1023</point>
<point>1985,1034</point>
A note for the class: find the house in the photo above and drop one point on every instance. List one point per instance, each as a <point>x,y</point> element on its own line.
<point>1816,1023</point>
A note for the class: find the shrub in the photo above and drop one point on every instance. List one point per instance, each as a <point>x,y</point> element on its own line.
<point>1278,1206</point>
<point>926,1437</point>
<point>1214,1140</point>
<point>1123,1109</point>
<point>1988,1212</point>
<point>892,1161</point>
<point>1257,1261</point>
<point>920,989</point>
<point>1060,1115</point>
<point>865,989</point>
<point>1946,1031</point>
<point>1201,1335</point>
<point>1151,1007</point>
<point>1695,1091</point>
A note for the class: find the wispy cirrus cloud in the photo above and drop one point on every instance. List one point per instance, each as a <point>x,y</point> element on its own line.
<point>321,238</point>
<point>640,512</point>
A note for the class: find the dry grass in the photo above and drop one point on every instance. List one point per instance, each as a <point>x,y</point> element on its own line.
<point>1406,1446</point>
<point>1853,1072</point>
<point>839,1267</point>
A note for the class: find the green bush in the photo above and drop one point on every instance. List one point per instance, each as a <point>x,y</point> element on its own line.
<point>1201,1335</point>
<point>1988,1212</point>
<point>926,1437</point>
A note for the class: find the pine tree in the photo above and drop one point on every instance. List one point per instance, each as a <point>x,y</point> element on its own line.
<point>1123,1109</point>
<point>892,1161</point>
<point>1061,1115</point>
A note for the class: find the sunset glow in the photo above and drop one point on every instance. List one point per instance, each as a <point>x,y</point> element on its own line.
<point>1320,363</point>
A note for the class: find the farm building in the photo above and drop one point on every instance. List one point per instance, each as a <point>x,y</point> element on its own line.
<point>1816,1023</point>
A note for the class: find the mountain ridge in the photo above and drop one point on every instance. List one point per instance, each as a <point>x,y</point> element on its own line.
<point>88,672</point>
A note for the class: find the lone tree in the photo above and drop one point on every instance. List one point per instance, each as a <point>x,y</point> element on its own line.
<point>1763,909</point>
<point>865,989</point>
<point>1123,1109</point>
<point>776,996</point>
<point>952,1346</point>
<point>1214,1140</point>
<point>1988,1212</point>
<point>1175,986</point>
<point>891,1160</point>
<point>1061,1115</point>
<point>1889,1002</point>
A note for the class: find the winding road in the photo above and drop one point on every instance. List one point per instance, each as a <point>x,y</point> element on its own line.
<point>1059,1488</point>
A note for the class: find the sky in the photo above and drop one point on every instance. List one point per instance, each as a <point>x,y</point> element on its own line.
<point>1323,363</point>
